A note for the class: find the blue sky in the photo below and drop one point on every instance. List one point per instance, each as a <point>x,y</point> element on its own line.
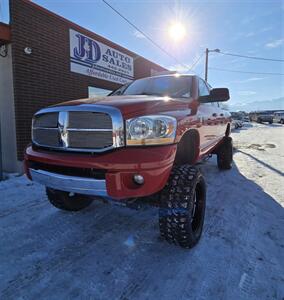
<point>246,27</point>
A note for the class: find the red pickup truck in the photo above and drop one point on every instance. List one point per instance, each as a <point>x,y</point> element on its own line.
<point>140,142</point>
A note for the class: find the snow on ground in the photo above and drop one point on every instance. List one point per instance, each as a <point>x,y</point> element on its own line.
<point>111,252</point>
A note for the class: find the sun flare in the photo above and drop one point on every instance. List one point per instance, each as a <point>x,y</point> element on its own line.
<point>177,31</point>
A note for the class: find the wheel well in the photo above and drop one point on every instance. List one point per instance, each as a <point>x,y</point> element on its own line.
<point>188,148</point>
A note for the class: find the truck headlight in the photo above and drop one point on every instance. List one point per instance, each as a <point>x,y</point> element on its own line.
<point>150,130</point>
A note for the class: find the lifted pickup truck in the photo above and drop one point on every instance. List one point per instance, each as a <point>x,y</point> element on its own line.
<point>142,141</point>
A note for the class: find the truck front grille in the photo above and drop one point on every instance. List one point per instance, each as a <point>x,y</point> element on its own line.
<point>90,120</point>
<point>90,131</point>
<point>46,137</point>
<point>90,139</point>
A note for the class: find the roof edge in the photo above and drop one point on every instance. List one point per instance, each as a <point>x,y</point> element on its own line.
<point>87,31</point>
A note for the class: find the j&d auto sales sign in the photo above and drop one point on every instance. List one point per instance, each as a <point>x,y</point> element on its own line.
<point>92,58</point>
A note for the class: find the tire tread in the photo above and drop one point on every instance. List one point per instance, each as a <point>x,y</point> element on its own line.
<point>176,200</point>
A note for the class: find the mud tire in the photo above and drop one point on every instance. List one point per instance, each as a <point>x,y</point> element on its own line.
<point>225,154</point>
<point>182,206</point>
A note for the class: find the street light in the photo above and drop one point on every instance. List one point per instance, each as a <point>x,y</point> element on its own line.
<point>206,60</point>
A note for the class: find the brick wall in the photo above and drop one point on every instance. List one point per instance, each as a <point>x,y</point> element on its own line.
<point>44,77</point>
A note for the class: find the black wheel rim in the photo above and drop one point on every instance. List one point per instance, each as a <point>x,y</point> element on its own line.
<point>193,212</point>
<point>197,212</point>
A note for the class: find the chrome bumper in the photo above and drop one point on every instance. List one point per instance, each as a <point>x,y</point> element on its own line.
<point>80,185</point>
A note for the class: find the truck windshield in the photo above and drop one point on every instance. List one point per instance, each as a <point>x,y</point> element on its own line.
<point>171,86</point>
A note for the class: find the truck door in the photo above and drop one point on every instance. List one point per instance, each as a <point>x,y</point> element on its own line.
<point>208,116</point>
<point>222,118</point>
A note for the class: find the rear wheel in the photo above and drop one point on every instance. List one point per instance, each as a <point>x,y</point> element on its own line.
<point>282,121</point>
<point>67,201</point>
<point>182,206</point>
<point>225,154</point>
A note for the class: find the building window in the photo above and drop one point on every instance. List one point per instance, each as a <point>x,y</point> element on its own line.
<point>97,92</point>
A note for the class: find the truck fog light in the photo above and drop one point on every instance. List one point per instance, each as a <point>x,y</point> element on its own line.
<point>139,179</point>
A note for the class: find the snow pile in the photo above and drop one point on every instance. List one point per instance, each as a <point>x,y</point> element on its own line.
<point>111,252</point>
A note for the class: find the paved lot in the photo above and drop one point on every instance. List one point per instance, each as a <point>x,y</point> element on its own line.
<point>111,252</point>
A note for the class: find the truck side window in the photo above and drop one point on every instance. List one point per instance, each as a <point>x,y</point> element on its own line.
<point>203,89</point>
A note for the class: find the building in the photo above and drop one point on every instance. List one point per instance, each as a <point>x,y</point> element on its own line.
<point>46,59</point>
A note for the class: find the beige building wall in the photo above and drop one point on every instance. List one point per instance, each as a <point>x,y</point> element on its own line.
<point>7,115</point>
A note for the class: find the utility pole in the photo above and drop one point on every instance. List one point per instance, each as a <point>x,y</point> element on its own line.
<point>206,60</point>
<point>206,64</point>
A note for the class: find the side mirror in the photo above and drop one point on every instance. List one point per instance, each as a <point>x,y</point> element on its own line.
<point>216,95</point>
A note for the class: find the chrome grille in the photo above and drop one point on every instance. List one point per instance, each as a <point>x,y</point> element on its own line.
<point>46,120</point>
<point>83,129</point>
<point>48,137</point>
<point>96,139</point>
<point>90,120</point>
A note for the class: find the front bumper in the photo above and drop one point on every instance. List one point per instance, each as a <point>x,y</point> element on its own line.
<point>153,163</point>
<point>75,184</point>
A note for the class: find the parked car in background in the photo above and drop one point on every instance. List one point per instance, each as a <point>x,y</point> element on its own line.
<point>278,117</point>
<point>237,124</point>
<point>241,116</point>
<point>246,119</point>
<point>262,117</point>
<point>238,119</point>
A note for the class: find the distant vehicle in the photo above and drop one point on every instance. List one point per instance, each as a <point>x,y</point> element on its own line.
<point>262,117</point>
<point>246,119</point>
<point>279,117</point>
<point>237,124</point>
<point>240,116</point>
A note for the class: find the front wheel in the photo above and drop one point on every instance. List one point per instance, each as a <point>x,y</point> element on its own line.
<point>182,206</point>
<point>67,201</point>
<point>225,154</point>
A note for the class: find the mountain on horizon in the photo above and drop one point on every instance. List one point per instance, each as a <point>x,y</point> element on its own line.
<point>273,104</point>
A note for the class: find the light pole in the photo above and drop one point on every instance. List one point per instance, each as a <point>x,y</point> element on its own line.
<point>206,60</point>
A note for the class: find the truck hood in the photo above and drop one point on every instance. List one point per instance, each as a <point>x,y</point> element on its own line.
<point>131,106</point>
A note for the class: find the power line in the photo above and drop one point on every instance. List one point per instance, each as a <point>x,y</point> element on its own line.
<point>148,37</point>
<point>251,57</point>
<point>199,58</point>
<point>196,62</point>
<point>246,72</point>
